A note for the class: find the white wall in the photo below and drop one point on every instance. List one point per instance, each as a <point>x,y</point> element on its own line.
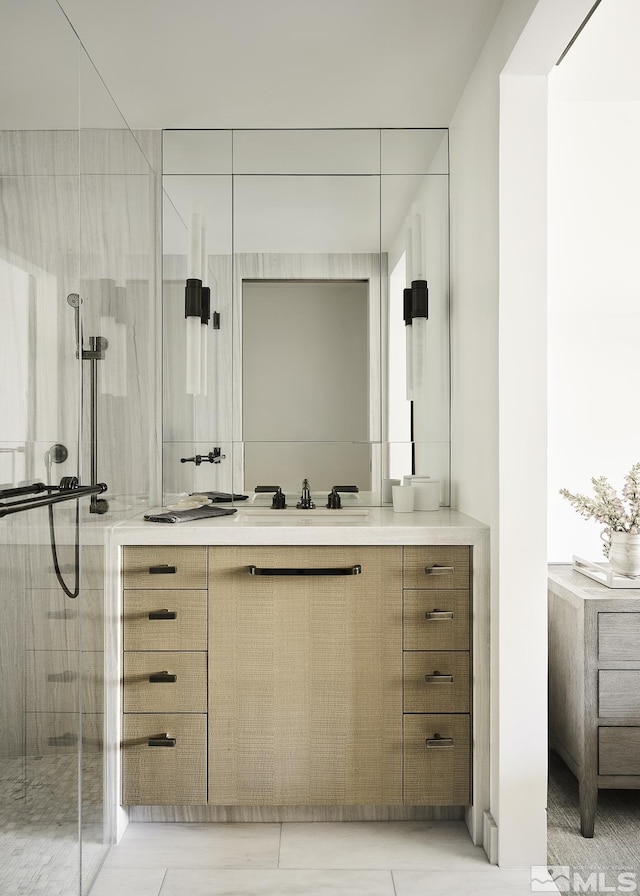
<point>498,208</point>
<point>594,288</point>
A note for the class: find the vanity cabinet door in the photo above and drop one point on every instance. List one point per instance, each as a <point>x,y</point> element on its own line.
<point>305,676</point>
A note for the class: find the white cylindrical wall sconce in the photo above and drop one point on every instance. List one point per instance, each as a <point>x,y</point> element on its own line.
<point>420,315</point>
<point>193,314</point>
<point>205,316</point>
<point>408,329</point>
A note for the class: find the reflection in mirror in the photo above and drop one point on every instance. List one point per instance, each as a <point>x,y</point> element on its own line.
<point>363,207</point>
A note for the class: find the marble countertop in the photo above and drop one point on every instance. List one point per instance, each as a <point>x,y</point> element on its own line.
<point>380,525</point>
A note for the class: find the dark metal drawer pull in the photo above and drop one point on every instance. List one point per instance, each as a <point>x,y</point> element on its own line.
<point>163,570</point>
<point>312,571</point>
<point>163,614</point>
<point>439,678</point>
<point>439,570</point>
<point>162,678</point>
<point>434,614</point>
<point>438,741</point>
<point>162,741</point>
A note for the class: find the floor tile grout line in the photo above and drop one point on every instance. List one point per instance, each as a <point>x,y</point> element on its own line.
<point>279,845</point>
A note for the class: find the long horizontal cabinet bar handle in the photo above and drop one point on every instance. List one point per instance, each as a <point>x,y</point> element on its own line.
<point>438,678</point>
<point>439,570</point>
<point>163,678</point>
<point>310,571</point>
<point>163,570</point>
<point>163,614</point>
<point>437,741</point>
<point>162,741</point>
<point>435,615</point>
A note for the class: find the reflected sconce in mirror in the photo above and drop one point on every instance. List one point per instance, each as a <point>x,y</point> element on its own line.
<point>193,318</point>
<point>419,317</point>
<point>197,311</point>
<point>408,320</point>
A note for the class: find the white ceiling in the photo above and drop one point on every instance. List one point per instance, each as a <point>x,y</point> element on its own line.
<point>247,63</point>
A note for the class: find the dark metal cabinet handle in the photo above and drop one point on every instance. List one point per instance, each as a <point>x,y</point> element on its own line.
<point>162,678</point>
<point>438,741</point>
<point>312,571</point>
<point>163,614</point>
<point>438,615</point>
<point>162,740</point>
<point>163,570</point>
<point>439,678</point>
<point>439,570</point>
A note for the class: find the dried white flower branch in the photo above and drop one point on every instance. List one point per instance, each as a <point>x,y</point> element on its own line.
<point>616,514</point>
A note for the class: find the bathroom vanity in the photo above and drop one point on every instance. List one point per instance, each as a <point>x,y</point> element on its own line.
<point>314,668</point>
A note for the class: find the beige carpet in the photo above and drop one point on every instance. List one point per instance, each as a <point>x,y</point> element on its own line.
<point>615,846</point>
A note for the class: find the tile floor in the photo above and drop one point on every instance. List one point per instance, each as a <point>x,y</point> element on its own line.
<point>292,859</point>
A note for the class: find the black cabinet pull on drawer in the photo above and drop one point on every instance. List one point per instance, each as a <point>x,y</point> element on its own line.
<point>439,570</point>
<point>435,615</point>
<point>309,571</point>
<point>438,741</point>
<point>163,678</point>
<point>163,614</point>
<point>162,741</point>
<point>438,678</point>
<point>163,570</point>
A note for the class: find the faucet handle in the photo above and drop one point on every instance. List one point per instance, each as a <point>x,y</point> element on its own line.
<point>334,501</point>
<point>279,501</point>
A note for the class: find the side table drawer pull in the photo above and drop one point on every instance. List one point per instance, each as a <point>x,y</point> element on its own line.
<point>438,741</point>
<point>439,570</point>
<point>162,741</point>
<point>435,615</point>
<point>163,614</point>
<point>439,678</point>
<point>163,570</point>
<point>163,678</point>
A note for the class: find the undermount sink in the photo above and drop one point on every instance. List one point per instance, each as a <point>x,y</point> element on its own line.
<point>320,516</point>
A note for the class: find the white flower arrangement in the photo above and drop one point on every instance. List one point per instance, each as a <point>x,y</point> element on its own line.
<point>618,515</point>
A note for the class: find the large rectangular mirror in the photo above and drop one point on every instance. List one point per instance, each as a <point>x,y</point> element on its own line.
<point>308,241</point>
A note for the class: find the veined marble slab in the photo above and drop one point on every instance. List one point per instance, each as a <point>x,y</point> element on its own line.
<point>380,526</point>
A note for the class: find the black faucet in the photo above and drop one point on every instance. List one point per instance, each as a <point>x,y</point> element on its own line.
<point>305,502</point>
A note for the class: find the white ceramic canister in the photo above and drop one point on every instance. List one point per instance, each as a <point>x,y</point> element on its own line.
<point>427,495</point>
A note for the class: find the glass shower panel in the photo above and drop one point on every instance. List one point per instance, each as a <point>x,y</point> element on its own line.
<point>39,422</point>
<point>120,326</point>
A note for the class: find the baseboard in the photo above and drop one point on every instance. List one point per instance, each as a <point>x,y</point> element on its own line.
<point>248,814</point>
<point>490,837</point>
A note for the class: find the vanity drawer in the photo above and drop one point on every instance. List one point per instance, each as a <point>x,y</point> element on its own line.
<point>438,568</point>
<point>165,567</point>
<point>437,758</point>
<point>165,620</point>
<point>618,637</point>
<point>436,681</point>
<point>619,692</point>
<point>436,620</point>
<point>148,689</point>
<point>164,759</point>
<point>619,751</point>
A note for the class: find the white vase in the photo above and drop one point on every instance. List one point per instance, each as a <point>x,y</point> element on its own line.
<point>624,553</point>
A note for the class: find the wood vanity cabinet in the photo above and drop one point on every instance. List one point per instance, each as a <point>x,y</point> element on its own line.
<point>304,676</point>
<point>164,745</point>
<point>437,675</point>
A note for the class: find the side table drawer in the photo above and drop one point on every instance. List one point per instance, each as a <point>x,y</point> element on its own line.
<point>437,567</point>
<point>619,692</point>
<point>436,620</point>
<point>618,637</point>
<point>164,760</point>
<point>165,681</point>
<point>619,751</point>
<point>165,620</point>
<point>165,567</point>
<point>437,769</point>
<point>436,681</point>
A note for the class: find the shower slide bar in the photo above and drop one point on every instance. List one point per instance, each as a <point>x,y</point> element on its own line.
<point>68,490</point>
